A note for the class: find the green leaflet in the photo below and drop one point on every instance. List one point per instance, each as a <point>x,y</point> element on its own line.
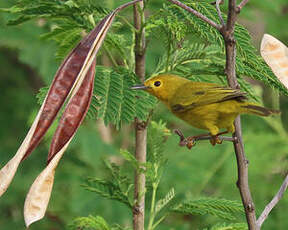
<point>107,189</point>
<point>222,208</point>
<point>116,102</point>
<point>116,187</point>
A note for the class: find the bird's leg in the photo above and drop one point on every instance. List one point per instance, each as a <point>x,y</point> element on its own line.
<point>190,141</point>
<point>215,138</point>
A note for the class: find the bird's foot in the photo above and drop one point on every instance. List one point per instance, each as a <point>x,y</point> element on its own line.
<point>190,141</point>
<point>215,138</point>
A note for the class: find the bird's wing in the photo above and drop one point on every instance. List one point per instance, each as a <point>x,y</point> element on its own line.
<point>197,94</point>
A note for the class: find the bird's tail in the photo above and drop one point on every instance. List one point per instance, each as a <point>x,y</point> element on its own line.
<point>258,110</point>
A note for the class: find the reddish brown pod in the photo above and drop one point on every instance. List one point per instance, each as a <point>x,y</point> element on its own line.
<point>74,114</point>
<point>61,86</point>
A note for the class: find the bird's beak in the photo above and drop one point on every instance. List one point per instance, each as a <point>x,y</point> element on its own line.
<point>141,86</point>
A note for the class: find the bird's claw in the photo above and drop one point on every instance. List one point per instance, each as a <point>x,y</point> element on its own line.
<point>189,142</point>
<point>215,140</point>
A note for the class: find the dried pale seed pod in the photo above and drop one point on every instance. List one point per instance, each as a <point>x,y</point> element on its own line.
<point>275,54</point>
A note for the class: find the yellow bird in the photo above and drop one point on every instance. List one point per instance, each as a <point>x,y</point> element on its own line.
<point>203,105</point>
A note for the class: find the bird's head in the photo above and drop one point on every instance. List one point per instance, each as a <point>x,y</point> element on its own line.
<point>162,86</point>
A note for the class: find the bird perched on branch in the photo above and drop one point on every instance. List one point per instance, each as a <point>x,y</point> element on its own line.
<point>203,105</point>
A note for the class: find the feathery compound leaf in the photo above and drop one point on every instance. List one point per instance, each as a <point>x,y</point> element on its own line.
<point>248,62</point>
<point>116,187</point>
<point>130,158</point>
<point>163,202</point>
<point>116,102</point>
<point>89,223</point>
<point>107,189</point>
<point>157,135</point>
<point>157,132</point>
<point>222,208</point>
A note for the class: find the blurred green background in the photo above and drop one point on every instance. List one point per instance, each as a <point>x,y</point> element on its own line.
<point>28,63</point>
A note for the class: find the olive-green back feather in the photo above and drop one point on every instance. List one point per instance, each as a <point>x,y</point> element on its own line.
<point>200,93</point>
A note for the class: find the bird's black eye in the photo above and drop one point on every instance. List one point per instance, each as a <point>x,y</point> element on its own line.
<point>157,83</point>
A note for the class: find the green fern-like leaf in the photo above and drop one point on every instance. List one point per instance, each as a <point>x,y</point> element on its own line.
<point>115,187</point>
<point>117,103</point>
<point>107,189</point>
<point>157,135</point>
<point>164,202</point>
<point>89,223</point>
<point>130,158</point>
<point>222,208</point>
<point>248,62</point>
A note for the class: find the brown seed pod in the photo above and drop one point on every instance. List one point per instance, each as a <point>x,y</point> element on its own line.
<point>61,86</point>
<point>74,113</point>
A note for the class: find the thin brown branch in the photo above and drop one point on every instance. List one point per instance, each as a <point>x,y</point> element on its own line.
<point>197,14</point>
<point>243,183</point>
<point>140,127</point>
<point>241,5</point>
<point>272,203</point>
<point>231,19</point>
<point>242,163</point>
<point>219,12</point>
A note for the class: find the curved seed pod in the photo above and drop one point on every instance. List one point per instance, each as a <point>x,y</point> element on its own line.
<point>74,114</point>
<point>275,54</point>
<point>70,75</point>
<point>39,194</point>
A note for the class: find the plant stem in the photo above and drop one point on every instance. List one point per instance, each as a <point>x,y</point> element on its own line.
<point>152,208</point>
<point>242,162</point>
<point>140,127</point>
<point>159,221</point>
